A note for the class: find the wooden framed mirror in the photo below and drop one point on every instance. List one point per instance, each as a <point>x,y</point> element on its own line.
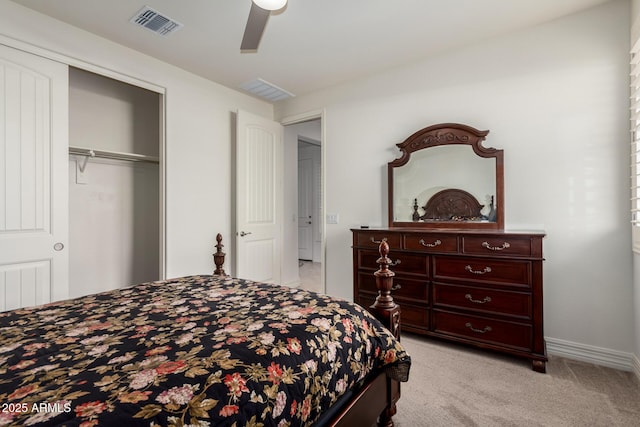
<point>445,178</point>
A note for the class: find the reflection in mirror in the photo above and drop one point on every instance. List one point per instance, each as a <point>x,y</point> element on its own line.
<point>429,172</point>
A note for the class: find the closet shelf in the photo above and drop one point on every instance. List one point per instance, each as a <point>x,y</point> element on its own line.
<point>89,152</point>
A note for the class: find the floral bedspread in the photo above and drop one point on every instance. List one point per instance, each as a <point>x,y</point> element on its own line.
<point>192,351</point>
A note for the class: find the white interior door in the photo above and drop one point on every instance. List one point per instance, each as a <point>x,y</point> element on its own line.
<point>33,179</point>
<point>259,198</point>
<point>305,209</point>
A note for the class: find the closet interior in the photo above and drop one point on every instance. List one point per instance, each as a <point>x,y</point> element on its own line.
<point>114,183</point>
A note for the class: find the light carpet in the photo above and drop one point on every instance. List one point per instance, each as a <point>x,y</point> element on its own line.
<point>453,385</point>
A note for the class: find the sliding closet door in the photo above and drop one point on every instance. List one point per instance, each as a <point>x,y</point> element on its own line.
<point>33,179</point>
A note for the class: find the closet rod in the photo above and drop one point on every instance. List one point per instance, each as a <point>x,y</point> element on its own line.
<point>89,152</point>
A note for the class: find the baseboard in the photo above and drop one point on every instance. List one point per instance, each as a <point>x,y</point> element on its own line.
<point>596,355</point>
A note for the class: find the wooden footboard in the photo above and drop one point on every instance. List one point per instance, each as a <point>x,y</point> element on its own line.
<point>375,402</point>
<point>376,393</point>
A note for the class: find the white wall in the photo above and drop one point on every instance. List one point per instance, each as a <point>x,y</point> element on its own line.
<point>635,34</point>
<point>555,98</point>
<point>199,132</point>
<point>106,114</point>
<point>113,234</point>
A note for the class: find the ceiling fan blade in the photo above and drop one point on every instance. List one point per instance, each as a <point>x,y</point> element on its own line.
<point>255,27</point>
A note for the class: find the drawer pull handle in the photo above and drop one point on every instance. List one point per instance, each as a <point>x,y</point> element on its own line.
<point>394,263</point>
<point>477,301</point>
<point>430,245</point>
<point>483,271</point>
<point>377,242</point>
<point>480,331</point>
<point>504,246</point>
<point>396,287</point>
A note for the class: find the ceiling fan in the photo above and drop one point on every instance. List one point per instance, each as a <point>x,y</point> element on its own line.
<point>258,16</point>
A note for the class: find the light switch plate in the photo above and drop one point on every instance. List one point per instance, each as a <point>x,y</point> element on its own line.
<point>333,218</point>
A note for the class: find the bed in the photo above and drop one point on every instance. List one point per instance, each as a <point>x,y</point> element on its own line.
<point>208,350</point>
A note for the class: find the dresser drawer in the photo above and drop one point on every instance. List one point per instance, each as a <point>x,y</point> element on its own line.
<point>412,316</point>
<point>483,300</point>
<point>372,239</point>
<point>500,246</point>
<point>404,262</point>
<point>428,242</point>
<point>405,288</point>
<point>368,259</point>
<point>483,270</point>
<point>481,329</point>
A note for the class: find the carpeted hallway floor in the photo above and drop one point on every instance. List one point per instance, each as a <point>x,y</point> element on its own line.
<point>452,385</point>
<point>310,276</point>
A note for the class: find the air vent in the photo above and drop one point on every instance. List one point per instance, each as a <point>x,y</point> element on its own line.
<point>155,21</point>
<point>266,90</point>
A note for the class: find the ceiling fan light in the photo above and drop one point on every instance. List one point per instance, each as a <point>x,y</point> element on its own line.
<point>270,4</point>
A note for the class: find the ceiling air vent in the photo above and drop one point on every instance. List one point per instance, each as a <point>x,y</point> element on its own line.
<point>266,90</point>
<point>155,21</point>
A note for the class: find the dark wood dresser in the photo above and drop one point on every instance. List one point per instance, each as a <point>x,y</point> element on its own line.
<point>478,287</point>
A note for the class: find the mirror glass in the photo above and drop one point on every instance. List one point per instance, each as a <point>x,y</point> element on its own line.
<point>429,171</point>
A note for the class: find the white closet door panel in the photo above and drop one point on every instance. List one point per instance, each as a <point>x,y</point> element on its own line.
<point>260,182</point>
<point>11,142</point>
<point>33,181</point>
<point>25,141</point>
<point>24,285</point>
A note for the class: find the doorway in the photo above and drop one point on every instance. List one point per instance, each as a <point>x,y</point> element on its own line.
<point>114,183</point>
<point>304,231</point>
<point>309,213</point>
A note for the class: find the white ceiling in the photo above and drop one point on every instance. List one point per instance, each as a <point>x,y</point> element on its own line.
<point>311,44</point>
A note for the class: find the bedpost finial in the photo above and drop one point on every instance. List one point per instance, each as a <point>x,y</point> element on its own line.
<point>384,307</point>
<point>383,248</point>
<point>218,257</point>
<point>384,279</point>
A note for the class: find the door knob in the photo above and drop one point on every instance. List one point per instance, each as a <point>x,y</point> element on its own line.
<point>58,246</point>
<point>242,233</point>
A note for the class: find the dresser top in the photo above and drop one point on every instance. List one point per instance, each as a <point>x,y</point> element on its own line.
<point>453,231</point>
